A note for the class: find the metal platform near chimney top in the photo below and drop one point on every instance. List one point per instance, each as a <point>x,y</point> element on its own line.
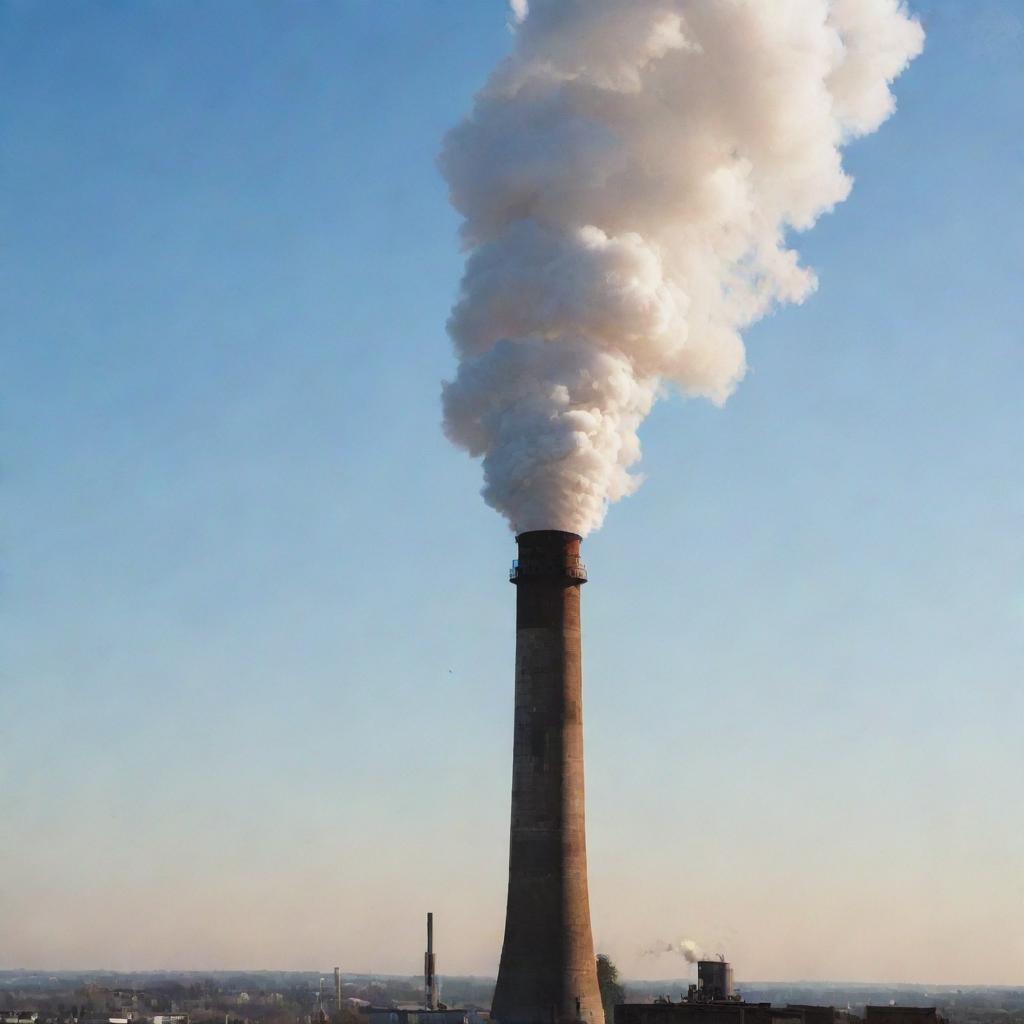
<point>572,568</point>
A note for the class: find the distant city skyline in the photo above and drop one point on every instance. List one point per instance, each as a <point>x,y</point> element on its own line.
<point>255,624</point>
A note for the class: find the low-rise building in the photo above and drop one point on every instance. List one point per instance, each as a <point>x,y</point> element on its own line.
<point>902,1015</point>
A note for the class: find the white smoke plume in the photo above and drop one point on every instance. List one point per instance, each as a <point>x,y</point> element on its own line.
<point>628,179</point>
<point>686,948</point>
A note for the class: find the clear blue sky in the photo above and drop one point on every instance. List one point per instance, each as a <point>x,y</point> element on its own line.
<point>255,627</point>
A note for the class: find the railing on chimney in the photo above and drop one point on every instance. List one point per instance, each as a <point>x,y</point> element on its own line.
<point>571,568</point>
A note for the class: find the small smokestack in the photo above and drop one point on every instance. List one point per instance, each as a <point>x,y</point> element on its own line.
<point>548,972</point>
<point>715,980</point>
<point>429,968</point>
<point>337,988</point>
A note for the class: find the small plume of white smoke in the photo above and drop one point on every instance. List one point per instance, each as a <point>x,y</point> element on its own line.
<point>686,948</point>
<point>627,179</point>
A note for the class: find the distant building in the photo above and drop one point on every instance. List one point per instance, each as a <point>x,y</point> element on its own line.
<point>732,1011</point>
<point>820,1014</point>
<point>714,982</point>
<point>395,1015</point>
<point>126,996</point>
<point>171,1018</point>
<point>735,1011</point>
<point>19,1017</point>
<point>902,1015</point>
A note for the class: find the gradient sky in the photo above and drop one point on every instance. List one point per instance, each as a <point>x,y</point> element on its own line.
<point>256,633</point>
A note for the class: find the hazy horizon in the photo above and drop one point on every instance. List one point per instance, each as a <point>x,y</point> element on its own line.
<point>668,981</point>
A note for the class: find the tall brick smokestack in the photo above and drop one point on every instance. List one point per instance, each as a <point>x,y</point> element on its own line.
<point>547,973</point>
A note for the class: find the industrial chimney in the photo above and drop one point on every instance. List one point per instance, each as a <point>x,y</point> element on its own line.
<point>429,968</point>
<point>548,974</point>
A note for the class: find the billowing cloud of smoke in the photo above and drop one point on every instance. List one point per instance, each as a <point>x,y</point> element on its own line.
<point>686,948</point>
<point>627,179</point>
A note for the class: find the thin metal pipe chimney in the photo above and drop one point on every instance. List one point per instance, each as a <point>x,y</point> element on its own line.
<point>429,968</point>
<point>548,974</point>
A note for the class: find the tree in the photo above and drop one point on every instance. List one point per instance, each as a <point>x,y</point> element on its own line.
<point>608,981</point>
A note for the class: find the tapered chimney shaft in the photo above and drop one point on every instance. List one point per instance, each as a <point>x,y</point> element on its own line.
<point>547,973</point>
<point>430,968</point>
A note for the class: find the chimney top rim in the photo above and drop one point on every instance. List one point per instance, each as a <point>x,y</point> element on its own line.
<point>527,534</point>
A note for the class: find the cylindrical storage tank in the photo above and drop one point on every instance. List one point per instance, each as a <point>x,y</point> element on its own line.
<point>714,980</point>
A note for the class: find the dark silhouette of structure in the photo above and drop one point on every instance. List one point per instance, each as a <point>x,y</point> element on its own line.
<point>714,983</point>
<point>901,1015</point>
<point>548,973</point>
<point>714,1000</point>
<point>430,968</point>
<point>700,1012</point>
<point>736,1011</point>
